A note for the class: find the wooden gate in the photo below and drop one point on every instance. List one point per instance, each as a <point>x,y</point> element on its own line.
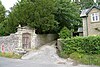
<point>26,40</point>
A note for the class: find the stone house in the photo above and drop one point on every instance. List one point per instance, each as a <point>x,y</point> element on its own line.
<point>91,21</point>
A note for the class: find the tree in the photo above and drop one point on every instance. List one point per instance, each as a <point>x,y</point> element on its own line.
<point>2,12</point>
<point>21,13</point>
<point>67,14</point>
<point>86,3</point>
<point>46,16</point>
<point>44,21</point>
<point>2,18</point>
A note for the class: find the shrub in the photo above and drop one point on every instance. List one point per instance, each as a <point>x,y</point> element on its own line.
<point>85,50</point>
<point>88,45</point>
<point>65,33</point>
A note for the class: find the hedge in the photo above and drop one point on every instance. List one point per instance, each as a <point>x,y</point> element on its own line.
<point>87,45</point>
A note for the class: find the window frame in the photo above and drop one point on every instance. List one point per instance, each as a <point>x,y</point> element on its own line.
<point>95,17</point>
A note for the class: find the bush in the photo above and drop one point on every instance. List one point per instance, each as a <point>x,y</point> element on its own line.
<point>85,50</point>
<point>65,33</point>
<point>87,45</point>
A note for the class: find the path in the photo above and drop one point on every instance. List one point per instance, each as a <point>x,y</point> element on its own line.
<point>47,55</point>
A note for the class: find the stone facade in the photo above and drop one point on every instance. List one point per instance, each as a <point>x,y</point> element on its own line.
<point>90,28</point>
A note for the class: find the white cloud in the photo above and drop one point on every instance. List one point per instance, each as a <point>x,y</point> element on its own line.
<point>8,3</point>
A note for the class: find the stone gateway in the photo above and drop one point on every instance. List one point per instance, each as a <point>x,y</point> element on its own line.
<point>25,38</point>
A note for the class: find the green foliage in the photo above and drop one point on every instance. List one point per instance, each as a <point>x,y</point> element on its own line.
<point>85,50</point>
<point>67,14</point>
<point>86,3</point>
<point>87,45</point>
<point>21,13</point>
<point>46,16</point>
<point>93,59</point>
<point>65,33</point>
<point>5,29</point>
<point>44,21</point>
<point>76,56</point>
<point>2,12</point>
<point>2,18</point>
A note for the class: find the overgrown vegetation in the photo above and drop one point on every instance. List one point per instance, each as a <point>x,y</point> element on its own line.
<point>84,49</point>
<point>10,55</point>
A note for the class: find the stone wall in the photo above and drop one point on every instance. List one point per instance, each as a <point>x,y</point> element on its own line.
<point>16,40</point>
<point>9,42</point>
<point>42,39</point>
<point>59,44</point>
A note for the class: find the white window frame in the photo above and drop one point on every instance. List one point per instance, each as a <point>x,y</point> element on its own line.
<point>95,17</point>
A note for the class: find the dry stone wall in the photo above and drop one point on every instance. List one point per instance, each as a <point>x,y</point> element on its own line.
<point>8,43</point>
<point>16,40</point>
<point>11,42</point>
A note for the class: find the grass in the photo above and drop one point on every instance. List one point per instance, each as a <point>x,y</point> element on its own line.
<point>93,59</point>
<point>10,55</point>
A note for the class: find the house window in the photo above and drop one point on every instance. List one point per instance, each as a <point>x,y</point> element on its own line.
<point>95,17</point>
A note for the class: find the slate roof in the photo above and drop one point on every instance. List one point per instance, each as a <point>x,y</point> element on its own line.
<point>84,13</point>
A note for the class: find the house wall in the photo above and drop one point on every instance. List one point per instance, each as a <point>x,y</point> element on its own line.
<point>85,27</point>
<point>93,25</point>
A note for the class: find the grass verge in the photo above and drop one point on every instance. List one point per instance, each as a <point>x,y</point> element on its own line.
<point>93,59</point>
<point>10,55</point>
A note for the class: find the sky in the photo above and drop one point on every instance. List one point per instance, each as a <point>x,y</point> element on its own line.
<point>8,3</point>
